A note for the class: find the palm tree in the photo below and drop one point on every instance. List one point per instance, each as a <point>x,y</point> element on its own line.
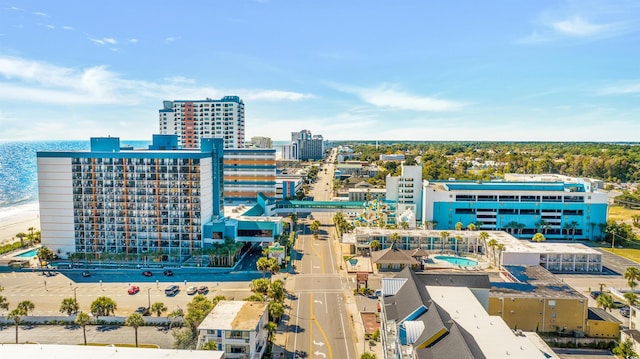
<point>520,227</point>
<point>444,235</point>
<point>21,236</point>
<point>394,239</point>
<point>135,320</point>
<point>271,328</point>
<point>500,247</point>
<point>368,356</point>
<point>459,226</point>
<point>82,319</point>
<point>69,306</point>
<point>27,306</point>
<point>374,245</point>
<point>471,227</point>
<point>276,310</point>
<point>4,304</point>
<point>16,315</point>
<point>605,300</point>
<point>315,226</point>
<point>158,308</point>
<point>263,265</point>
<point>493,243</point>
<point>538,237</point>
<point>483,236</point>
<point>632,274</point>
<point>103,306</point>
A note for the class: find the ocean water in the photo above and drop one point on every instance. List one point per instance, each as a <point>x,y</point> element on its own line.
<point>19,172</point>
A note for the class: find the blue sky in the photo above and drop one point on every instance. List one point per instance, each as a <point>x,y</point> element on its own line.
<point>390,70</point>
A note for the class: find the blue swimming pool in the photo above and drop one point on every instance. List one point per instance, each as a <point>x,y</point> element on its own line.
<point>459,261</point>
<point>28,254</point>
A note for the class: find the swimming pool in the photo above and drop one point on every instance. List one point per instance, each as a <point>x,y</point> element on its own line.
<point>28,254</point>
<point>459,261</point>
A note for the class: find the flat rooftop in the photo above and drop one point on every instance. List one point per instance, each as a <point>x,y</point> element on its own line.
<point>51,351</point>
<point>532,281</point>
<point>234,315</point>
<point>516,245</point>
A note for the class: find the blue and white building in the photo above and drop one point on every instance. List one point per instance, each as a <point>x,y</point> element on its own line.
<point>571,209</point>
<point>113,199</point>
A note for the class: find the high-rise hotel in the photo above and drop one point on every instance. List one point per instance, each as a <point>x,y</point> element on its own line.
<point>113,199</point>
<point>193,120</point>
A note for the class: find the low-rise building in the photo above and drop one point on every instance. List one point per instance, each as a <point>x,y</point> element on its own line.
<point>532,299</point>
<point>444,315</point>
<point>237,327</point>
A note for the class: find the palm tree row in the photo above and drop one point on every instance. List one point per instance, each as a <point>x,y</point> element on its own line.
<point>273,292</point>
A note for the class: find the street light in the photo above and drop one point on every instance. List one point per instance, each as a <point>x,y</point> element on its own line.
<point>149,297</point>
<point>75,297</point>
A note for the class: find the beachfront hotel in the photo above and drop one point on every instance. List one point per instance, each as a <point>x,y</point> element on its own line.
<point>194,120</point>
<point>560,208</point>
<point>113,199</point>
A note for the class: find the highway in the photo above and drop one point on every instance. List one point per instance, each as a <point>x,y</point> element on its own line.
<point>319,320</point>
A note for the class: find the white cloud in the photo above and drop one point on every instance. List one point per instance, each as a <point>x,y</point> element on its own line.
<point>97,41</point>
<point>38,82</point>
<point>577,26</point>
<point>51,27</point>
<point>41,14</point>
<point>622,88</point>
<point>171,39</point>
<point>70,28</point>
<point>16,8</point>
<point>133,41</point>
<point>391,97</point>
<point>110,40</point>
<point>534,38</point>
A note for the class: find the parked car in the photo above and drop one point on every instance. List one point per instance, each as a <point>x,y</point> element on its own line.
<point>625,311</point>
<point>86,274</point>
<point>192,290</point>
<point>168,273</point>
<point>203,289</point>
<point>171,290</point>
<point>144,311</point>
<point>147,273</point>
<point>595,295</point>
<point>133,289</point>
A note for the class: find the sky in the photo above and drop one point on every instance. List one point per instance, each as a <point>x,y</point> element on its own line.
<point>422,70</point>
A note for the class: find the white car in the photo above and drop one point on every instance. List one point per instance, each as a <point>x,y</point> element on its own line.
<point>192,290</point>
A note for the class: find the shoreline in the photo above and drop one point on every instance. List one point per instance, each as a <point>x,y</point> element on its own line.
<point>16,219</point>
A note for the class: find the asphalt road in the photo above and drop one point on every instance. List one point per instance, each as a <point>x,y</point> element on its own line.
<point>319,323</point>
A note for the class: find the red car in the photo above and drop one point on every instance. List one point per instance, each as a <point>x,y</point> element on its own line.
<point>133,289</point>
<point>147,273</point>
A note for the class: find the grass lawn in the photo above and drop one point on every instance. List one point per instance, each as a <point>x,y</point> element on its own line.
<point>629,253</point>
<point>619,213</point>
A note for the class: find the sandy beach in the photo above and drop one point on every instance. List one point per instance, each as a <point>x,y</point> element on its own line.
<point>16,219</point>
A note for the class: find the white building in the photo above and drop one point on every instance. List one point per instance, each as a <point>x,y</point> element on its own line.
<point>261,142</point>
<point>193,120</point>
<point>406,189</point>
<point>53,351</point>
<point>237,327</point>
<point>289,152</point>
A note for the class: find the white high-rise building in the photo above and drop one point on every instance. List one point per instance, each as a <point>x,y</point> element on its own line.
<point>193,120</point>
<point>406,189</point>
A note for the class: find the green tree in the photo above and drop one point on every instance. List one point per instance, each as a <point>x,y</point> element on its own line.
<point>368,356</point>
<point>444,236</point>
<point>471,227</point>
<point>174,315</point>
<point>210,345</point>
<point>4,304</point>
<point>158,308</point>
<point>16,315</point>
<point>21,236</point>
<point>625,349</point>
<point>82,319</point>
<point>262,264</point>
<point>394,239</point>
<point>374,245</point>
<point>538,237</point>
<point>493,243</point>
<point>260,286</point>
<point>500,247</point>
<point>632,274</point>
<point>271,328</point>
<point>45,254</point>
<point>605,300</point>
<point>103,306</point>
<point>27,306</point>
<point>315,226</point>
<point>69,306</point>
<point>276,290</point>
<point>276,311</point>
<point>135,320</point>
<point>459,226</point>
<point>255,297</point>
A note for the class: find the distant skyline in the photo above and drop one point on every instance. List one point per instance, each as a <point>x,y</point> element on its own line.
<point>494,70</point>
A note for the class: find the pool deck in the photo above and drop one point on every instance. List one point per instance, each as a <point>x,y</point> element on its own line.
<point>433,263</point>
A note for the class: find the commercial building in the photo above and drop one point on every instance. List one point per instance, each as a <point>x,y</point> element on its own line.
<point>247,172</point>
<point>559,210</point>
<point>194,120</point>
<point>288,185</point>
<point>237,327</point>
<point>426,316</point>
<point>532,299</point>
<point>309,147</point>
<point>555,257</point>
<point>113,200</point>
<point>101,352</point>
